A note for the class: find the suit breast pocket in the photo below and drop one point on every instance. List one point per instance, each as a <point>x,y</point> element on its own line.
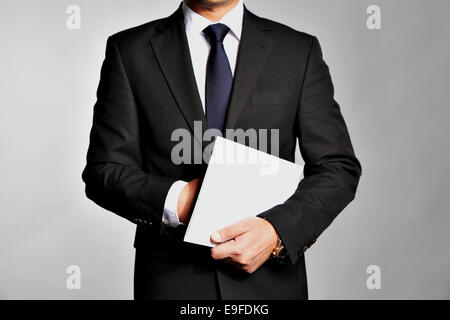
<point>276,98</point>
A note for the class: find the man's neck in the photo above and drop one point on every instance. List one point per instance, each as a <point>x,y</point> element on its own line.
<point>212,11</point>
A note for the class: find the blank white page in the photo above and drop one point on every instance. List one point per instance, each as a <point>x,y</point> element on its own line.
<point>240,182</point>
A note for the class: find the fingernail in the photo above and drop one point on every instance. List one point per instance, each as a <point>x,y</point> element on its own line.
<point>215,237</point>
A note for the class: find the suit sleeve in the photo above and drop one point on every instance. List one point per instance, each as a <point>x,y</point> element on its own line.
<point>113,174</point>
<point>331,172</point>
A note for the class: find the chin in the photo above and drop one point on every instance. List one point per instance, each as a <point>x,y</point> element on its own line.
<point>211,3</point>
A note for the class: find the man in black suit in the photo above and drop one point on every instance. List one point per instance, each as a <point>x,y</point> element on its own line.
<point>215,62</point>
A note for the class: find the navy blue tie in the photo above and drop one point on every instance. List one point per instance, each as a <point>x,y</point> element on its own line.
<point>219,79</point>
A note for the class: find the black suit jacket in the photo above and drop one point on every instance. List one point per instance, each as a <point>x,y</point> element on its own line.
<point>147,90</point>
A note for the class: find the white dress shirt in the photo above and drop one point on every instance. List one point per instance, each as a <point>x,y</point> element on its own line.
<point>199,48</point>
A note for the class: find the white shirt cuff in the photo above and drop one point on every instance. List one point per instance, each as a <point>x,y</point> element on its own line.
<point>170,213</point>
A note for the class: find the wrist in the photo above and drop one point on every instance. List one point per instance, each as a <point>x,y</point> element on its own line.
<point>182,204</point>
<point>278,249</point>
<point>186,200</point>
<point>274,235</point>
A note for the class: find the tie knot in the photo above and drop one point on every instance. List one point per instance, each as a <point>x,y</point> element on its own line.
<point>216,32</point>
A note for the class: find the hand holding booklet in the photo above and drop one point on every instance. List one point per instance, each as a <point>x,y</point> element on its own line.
<point>240,182</point>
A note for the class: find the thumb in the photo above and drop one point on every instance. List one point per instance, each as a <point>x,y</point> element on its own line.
<point>230,232</point>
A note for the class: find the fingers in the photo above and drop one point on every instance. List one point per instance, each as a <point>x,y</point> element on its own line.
<point>224,250</point>
<point>230,232</point>
<point>233,252</point>
<point>251,244</point>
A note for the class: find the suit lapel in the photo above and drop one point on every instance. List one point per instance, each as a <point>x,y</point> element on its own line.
<point>172,52</point>
<point>254,49</point>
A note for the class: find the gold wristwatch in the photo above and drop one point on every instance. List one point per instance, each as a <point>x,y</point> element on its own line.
<point>279,252</point>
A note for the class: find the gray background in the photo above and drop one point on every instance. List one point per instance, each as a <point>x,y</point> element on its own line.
<point>392,84</point>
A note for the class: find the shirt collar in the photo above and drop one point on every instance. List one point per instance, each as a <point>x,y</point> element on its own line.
<point>195,22</point>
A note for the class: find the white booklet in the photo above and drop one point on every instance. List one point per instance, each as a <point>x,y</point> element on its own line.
<point>240,182</point>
